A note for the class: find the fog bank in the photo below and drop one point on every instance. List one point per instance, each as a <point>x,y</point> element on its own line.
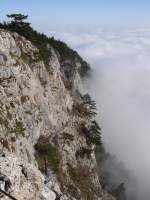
<point>120,83</point>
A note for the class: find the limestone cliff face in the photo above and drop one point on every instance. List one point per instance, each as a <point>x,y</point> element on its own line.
<point>44,155</point>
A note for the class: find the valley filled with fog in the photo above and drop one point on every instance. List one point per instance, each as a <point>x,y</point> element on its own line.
<point>120,85</point>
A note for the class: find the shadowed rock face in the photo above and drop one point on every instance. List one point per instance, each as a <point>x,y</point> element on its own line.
<point>39,130</point>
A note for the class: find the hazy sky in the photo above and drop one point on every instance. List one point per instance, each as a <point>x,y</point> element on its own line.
<point>81,14</point>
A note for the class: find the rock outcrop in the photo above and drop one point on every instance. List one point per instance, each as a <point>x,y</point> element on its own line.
<point>45,153</point>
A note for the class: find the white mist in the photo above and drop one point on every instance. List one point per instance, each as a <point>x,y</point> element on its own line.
<point>120,85</point>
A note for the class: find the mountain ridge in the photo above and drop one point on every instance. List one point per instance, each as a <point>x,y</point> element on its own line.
<point>48,131</point>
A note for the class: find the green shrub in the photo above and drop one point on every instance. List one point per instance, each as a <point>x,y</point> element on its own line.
<point>92,133</point>
<point>47,155</point>
<point>95,137</point>
<point>24,99</point>
<point>67,136</point>
<point>19,129</point>
<point>83,110</point>
<point>82,152</point>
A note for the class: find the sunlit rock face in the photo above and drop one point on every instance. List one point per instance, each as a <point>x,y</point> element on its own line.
<point>40,138</point>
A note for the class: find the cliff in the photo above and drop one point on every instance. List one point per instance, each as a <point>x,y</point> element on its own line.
<point>47,127</point>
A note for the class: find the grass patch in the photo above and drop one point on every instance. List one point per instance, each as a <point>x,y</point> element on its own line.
<point>19,129</point>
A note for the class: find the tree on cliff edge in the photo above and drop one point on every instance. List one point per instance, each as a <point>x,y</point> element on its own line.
<point>18,24</point>
<point>18,18</point>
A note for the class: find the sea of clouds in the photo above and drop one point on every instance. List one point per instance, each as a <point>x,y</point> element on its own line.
<point>120,85</point>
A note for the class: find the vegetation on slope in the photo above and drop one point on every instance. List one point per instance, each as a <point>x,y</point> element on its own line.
<point>47,155</point>
<point>18,24</point>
